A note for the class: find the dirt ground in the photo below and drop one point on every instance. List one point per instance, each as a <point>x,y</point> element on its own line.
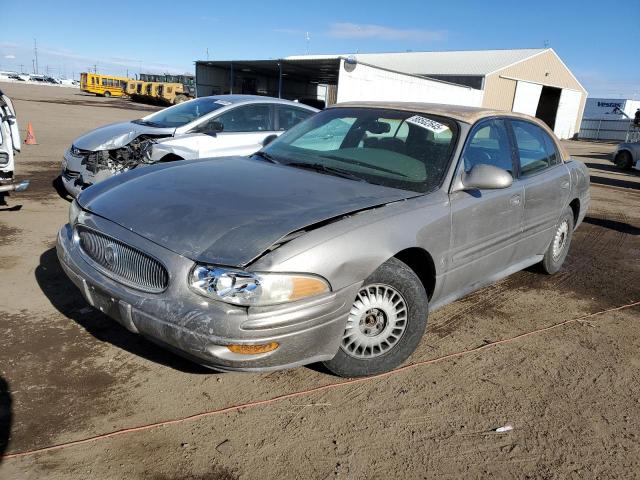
<point>572,393</point>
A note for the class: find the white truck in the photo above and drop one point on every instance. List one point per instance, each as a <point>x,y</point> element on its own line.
<point>9,147</point>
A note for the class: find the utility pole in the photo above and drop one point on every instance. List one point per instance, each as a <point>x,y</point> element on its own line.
<point>307,38</point>
<point>21,68</point>
<point>35,52</point>
<point>207,53</point>
<point>95,68</point>
<point>33,65</point>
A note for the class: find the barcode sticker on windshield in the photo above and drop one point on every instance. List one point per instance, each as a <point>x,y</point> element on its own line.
<point>222,102</point>
<point>427,123</point>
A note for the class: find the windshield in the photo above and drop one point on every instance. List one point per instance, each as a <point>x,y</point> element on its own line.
<point>184,113</point>
<point>396,149</point>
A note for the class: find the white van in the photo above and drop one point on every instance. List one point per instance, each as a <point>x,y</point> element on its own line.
<point>9,146</point>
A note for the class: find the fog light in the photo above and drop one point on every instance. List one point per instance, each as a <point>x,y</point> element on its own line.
<point>253,349</point>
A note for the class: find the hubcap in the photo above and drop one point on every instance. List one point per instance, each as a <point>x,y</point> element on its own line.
<point>560,240</point>
<point>377,320</point>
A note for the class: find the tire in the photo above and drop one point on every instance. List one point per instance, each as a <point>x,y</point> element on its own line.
<point>378,339</point>
<point>107,94</point>
<point>559,247</point>
<point>179,99</point>
<point>623,160</point>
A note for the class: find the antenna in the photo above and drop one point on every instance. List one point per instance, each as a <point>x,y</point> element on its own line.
<point>307,38</point>
<point>207,53</point>
<point>546,44</point>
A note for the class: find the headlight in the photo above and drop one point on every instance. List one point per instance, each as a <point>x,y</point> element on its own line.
<point>254,289</point>
<point>74,212</point>
<point>75,151</point>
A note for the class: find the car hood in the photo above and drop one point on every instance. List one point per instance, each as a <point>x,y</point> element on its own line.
<point>227,211</point>
<point>116,135</point>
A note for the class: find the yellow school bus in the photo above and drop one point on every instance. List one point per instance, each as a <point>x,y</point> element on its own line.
<point>103,85</point>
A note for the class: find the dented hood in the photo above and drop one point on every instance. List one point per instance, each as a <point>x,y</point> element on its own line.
<point>116,135</point>
<point>229,210</point>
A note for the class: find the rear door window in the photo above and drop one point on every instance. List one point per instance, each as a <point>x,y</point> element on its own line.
<point>534,148</point>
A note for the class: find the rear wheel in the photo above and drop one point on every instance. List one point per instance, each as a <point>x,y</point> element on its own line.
<point>624,160</point>
<point>107,94</point>
<point>385,324</point>
<point>559,247</point>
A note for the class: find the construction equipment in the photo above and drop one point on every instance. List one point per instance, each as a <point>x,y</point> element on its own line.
<point>161,89</point>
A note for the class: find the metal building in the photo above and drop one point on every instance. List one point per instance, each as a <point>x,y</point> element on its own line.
<point>532,81</point>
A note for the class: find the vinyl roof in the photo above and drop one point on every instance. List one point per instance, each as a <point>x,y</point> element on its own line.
<point>462,62</point>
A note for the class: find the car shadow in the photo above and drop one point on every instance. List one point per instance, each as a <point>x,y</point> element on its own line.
<point>6,416</point>
<point>68,300</point>
<point>613,225</point>
<point>614,182</point>
<point>58,186</point>
<point>613,169</point>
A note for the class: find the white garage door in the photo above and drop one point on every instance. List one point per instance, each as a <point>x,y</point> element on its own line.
<point>527,98</point>
<point>567,113</point>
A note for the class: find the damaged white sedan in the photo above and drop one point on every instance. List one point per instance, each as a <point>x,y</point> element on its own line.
<point>214,126</point>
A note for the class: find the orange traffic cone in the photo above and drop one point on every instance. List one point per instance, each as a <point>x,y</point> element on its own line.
<point>31,138</point>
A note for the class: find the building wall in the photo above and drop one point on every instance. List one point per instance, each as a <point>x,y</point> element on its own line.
<point>366,82</point>
<point>544,68</point>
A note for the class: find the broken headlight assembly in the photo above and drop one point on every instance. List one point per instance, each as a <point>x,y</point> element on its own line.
<point>244,288</point>
<point>75,151</point>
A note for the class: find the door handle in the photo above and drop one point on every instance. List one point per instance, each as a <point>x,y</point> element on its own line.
<point>515,200</point>
<point>565,184</point>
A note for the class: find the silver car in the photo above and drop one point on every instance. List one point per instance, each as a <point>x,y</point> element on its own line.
<point>331,244</point>
<point>215,126</point>
<point>627,155</point>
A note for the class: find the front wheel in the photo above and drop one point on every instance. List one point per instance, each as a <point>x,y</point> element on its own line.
<point>623,160</point>
<point>385,324</point>
<point>559,248</point>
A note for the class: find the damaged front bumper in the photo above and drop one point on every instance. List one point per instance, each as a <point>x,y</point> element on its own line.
<point>201,329</point>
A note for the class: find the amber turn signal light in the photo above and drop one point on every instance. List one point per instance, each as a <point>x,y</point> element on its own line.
<point>253,349</point>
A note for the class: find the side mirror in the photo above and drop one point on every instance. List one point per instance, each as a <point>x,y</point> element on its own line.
<point>486,177</point>
<point>268,140</point>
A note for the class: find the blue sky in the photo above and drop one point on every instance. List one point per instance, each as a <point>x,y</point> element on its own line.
<point>599,41</point>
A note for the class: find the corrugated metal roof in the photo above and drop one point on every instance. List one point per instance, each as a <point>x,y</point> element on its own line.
<point>463,62</point>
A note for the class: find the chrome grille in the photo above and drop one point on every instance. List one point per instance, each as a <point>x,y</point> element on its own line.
<point>122,262</point>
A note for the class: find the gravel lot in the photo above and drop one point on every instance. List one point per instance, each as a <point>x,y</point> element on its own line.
<point>571,393</point>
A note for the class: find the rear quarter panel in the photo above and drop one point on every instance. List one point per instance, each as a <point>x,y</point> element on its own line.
<point>579,187</point>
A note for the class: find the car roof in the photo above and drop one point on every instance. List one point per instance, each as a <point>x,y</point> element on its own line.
<point>457,112</point>
<point>237,99</point>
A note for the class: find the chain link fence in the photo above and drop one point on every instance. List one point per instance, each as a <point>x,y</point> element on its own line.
<point>600,129</point>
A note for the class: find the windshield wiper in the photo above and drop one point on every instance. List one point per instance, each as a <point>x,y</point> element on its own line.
<point>363,164</point>
<point>319,167</point>
<point>266,156</point>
